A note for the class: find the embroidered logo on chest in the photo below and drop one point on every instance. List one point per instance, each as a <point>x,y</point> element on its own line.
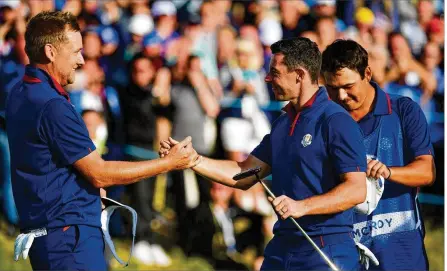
<point>307,140</point>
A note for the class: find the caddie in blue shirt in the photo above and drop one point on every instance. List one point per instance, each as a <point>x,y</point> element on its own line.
<point>56,171</point>
<point>396,135</point>
<point>317,160</point>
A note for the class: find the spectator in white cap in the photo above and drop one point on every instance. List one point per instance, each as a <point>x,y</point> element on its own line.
<point>10,3</point>
<point>157,41</point>
<point>415,31</point>
<point>325,7</point>
<point>270,31</point>
<point>139,26</point>
<point>166,8</point>
<point>381,28</point>
<point>92,111</point>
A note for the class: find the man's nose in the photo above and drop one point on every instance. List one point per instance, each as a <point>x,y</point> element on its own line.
<point>342,95</point>
<point>268,78</point>
<point>81,61</point>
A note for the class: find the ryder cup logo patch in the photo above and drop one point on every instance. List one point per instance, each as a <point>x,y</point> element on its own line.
<point>307,140</point>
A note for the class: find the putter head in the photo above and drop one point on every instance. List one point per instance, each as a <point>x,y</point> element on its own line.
<point>247,173</point>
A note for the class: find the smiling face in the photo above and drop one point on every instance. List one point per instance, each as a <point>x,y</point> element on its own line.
<point>284,82</point>
<point>347,88</point>
<point>69,57</point>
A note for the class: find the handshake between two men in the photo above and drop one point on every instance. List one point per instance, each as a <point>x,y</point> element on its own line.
<point>181,154</point>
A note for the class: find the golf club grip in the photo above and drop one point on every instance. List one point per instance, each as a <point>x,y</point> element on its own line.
<point>247,173</point>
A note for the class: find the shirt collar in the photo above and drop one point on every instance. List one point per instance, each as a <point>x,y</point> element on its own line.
<point>319,96</point>
<point>36,75</point>
<point>383,102</point>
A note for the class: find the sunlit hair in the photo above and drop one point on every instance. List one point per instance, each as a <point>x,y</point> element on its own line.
<point>48,27</point>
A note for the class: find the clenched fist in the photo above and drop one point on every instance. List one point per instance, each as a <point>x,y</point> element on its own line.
<point>375,169</point>
<point>181,154</point>
<point>286,207</point>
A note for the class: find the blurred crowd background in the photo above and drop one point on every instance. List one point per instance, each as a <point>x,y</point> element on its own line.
<point>155,69</point>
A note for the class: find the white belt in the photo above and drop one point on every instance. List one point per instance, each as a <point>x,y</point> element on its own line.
<point>24,241</point>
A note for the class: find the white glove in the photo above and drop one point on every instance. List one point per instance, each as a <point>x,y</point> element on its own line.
<point>24,241</point>
<point>22,245</point>
<point>374,191</point>
<point>366,255</point>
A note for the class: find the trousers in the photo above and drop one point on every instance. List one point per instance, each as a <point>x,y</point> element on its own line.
<point>76,247</point>
<point>289,252</point>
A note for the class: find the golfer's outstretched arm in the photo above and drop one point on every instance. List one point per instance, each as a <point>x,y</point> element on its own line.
<point>107,173</point>
<point>222,171</point>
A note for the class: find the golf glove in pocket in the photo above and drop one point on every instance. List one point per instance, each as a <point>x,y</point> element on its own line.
<point>366,256</point>
<point>24,241</point>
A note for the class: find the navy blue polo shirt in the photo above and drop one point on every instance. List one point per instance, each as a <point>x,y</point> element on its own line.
<point>307,151</point>
<point>46,136</point>
<point>414,124</point>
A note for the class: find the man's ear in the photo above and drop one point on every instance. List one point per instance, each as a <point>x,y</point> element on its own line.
<point>50,52</point>
<point>299,74</point>
<point>368,73</point>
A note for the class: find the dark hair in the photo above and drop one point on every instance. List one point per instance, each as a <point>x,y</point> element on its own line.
<point>47,27</point>
<point>300,52</point>
<point>345,54</point>
<point>138,56</point>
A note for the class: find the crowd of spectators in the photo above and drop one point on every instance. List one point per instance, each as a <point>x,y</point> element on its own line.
<point>155,69</point>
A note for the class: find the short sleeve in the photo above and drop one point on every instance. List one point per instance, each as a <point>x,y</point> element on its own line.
<point>65,132</point>
<point>345,144</point>
<point>264,150</point>
<point>415,128</point>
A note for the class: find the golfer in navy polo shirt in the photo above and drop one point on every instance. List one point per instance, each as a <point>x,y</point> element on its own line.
<point>317,160</point>
<point>56,171</point>
<point>396,134</point>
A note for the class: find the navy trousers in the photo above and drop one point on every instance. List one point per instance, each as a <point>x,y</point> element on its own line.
<point>77,247</point>
<point>288,252</point>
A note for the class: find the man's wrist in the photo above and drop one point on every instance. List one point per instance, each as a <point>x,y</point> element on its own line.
<point>168,164</point>
<point>301,209</point>
<point>201,158</point>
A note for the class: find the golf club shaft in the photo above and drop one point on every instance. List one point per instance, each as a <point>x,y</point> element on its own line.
<point>328,261</point>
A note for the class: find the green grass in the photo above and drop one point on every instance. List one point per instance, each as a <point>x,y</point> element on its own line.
<point>434,242</point>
